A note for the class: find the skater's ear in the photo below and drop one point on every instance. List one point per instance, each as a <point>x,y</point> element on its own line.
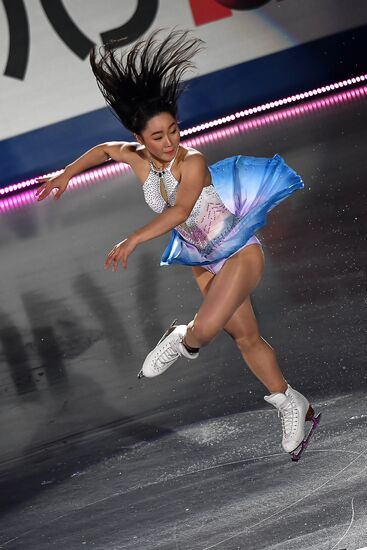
<point>139,139</point>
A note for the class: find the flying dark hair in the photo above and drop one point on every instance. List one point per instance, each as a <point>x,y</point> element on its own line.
<point>146,80</point>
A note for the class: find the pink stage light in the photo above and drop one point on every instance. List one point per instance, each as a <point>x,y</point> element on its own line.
<point>112,169</point>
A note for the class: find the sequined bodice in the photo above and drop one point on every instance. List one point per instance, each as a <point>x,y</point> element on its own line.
<point>209,221</point>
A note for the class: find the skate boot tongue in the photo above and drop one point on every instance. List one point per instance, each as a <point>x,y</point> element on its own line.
<point>276,399</point>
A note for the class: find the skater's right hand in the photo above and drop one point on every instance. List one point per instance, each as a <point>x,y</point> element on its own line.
<point>59,182</point>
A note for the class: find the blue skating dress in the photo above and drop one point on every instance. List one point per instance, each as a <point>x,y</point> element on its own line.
<point>227,213</point>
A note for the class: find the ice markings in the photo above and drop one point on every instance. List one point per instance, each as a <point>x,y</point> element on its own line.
<point>346,532</point>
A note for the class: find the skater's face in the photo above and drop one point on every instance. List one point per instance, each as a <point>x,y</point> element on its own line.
<point>161,137</point>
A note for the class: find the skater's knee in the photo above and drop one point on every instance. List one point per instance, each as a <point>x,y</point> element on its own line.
<point>202,331</point>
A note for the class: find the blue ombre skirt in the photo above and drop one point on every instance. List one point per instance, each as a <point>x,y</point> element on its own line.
<point>249,187</point>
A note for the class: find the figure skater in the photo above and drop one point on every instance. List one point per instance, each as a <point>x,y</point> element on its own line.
<point>211,211</point>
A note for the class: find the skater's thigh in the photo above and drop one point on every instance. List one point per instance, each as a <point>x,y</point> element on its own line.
<point>234,282</point>
<point>203,277</point>
<point>242,326</point>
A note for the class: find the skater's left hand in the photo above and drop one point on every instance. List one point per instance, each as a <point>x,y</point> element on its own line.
<point>120,253</point>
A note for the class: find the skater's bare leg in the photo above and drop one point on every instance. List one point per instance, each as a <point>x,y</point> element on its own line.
<point>238,277</point>
<point>255,350</point>
<point>243,328</point>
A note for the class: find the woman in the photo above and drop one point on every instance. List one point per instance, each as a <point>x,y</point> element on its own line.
<point>212,211</point>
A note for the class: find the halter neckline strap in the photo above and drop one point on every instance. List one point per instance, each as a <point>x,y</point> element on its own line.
<point>168,167</point>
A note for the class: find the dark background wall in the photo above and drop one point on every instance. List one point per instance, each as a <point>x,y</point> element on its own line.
<point>51,110</point>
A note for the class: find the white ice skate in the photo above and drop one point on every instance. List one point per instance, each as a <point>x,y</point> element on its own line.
<point>166,352</point>
<point>294,409</point>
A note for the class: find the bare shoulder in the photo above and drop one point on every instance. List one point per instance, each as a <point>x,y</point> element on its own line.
<point>130,152</point>
<point>195,163</point>
<point>121,151</point>
<point>194,158</point>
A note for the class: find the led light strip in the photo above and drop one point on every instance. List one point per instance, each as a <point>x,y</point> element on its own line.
<point>274,104</point>
<point>271,118</point>
<point>112,168</point>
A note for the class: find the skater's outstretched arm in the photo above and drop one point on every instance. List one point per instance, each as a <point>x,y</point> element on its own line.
<point>193,175</point>
<point>115,150</point>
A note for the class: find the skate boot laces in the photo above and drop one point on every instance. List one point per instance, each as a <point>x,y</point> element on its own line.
<point>165,357</point>
<point>289,415</point>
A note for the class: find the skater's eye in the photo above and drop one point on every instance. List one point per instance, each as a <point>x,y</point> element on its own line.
<point>173,132</point>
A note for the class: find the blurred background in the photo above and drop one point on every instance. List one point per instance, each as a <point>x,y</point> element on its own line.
<point>52,110</point>
<point>277,76</point>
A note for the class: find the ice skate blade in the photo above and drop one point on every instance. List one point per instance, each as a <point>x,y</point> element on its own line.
<point>170,329</point>
<point>296,455</point>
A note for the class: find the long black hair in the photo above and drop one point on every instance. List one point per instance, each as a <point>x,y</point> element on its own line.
<point>146,80</point>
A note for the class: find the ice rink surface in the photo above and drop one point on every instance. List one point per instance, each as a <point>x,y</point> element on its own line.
<point>92,457</point>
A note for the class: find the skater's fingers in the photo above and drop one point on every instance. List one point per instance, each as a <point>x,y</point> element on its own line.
<point>123,260</point>
<point>110,256</point>
<point>117,254</point>
<point>42,195</point>
<point>108,261</point>
<point>40,189</point>
<point>46,190</point>
<point>43,181</point>
<point>113,252</point>
<point>120,257</point>
<point>46,186</point>
<point>59,193</point>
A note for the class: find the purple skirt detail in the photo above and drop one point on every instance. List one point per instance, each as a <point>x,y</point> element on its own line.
<point>215,267</point>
